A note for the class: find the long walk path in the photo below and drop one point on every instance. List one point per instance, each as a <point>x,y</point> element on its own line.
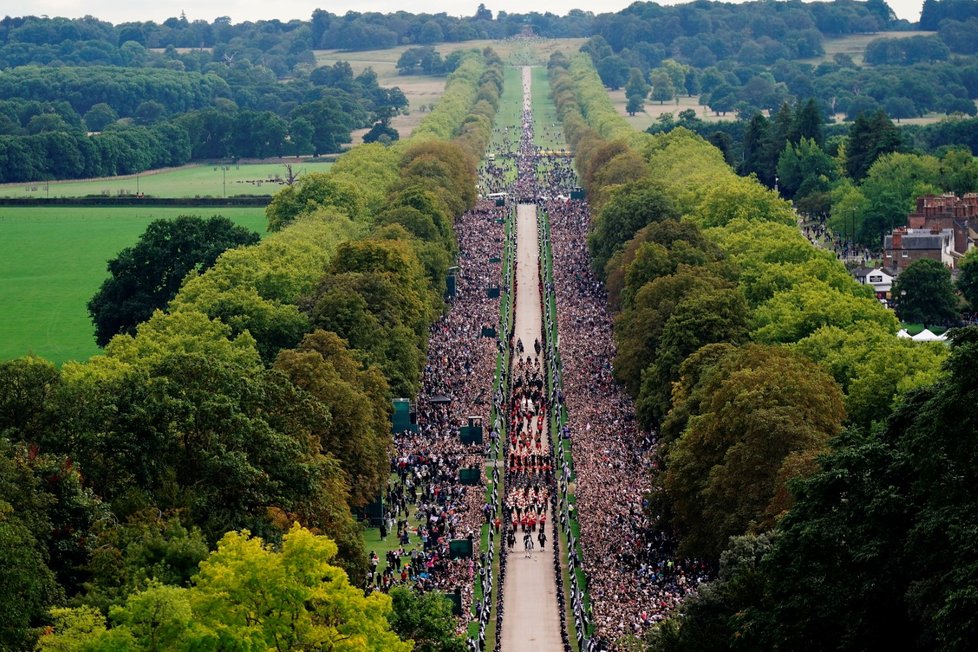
<point>532,619</point>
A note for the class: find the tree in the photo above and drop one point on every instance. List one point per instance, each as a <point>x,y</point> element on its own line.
<point>808,123</point>
<point>316,191</point>
<point>924,293</point>
<point>635,104</point>
<point>303,602</point>
<point>99,117</point>
<point>698,319</point>
<point>804,307</point>
<point>967,283</point>
<point>426,618</point>
<point>636,83</point>
<point>146,276</point>
<point>631,208</point>
<point>149,112</point>
<point>874,553</point>
<point>26,580</point>
<point>636,90</point>
<point>613,71</point>
<point>869,138</point>
<point>358,432</point>
<point>873,367</point>
<point>762,414</point>
<point>663,89</point>
<point>804,169</point>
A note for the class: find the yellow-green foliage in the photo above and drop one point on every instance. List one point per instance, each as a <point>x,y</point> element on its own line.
<point>257,289</point>
<point>247,596</point>
<point>372,168</point>
<point>873,367</point>
<point>460,94</point>
<point>189,331</point>
<point>596,106</point>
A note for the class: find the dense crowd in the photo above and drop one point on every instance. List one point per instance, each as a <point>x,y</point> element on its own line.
<point>635,577</point>
<point>426,504</point>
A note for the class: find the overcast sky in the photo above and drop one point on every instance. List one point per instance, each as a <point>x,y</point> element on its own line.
<point>118,11</point>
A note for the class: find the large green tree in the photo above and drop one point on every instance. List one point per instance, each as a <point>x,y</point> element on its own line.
<point>630,209</point>
<point>924,293</point>
<point>426,619</point>
<point>967,283</point>
<point>877,551</point>
<point>759,416</point>
<point>146,276</point>
<point>246,596</point>
<point>870,137</point>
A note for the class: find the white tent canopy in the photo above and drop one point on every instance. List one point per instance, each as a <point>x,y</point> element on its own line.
<point>927,336</point>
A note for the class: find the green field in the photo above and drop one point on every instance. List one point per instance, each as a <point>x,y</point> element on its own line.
<point>547,133</point>
<point>186,181</point>
<point>52,260</point>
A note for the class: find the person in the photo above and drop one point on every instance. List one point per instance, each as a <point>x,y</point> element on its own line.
<point>542,538</point>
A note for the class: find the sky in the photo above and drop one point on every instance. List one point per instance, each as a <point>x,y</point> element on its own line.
<point>119,11</point>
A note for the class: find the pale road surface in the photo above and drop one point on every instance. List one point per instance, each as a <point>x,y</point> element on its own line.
<point>531,620</point>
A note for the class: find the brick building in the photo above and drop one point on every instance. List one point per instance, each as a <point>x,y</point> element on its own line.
<point>906,245</point>
<point>940,212</point>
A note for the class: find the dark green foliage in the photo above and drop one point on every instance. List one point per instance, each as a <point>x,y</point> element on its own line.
<point>924,293</point>
<point>144,277</point>
<point>906,51</point>
<point>876,552</point>
<point>967,283</point>
<point>425,618</point>
<point>26,581</point>
<point>870,137</point>
<point>638,204</point>
<point>381,132</point>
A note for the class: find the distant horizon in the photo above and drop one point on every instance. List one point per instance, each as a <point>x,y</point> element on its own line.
<point>115,11</point>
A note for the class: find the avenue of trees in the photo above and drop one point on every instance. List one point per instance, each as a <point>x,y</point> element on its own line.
<point>763,366</point>
<point>166,475</point>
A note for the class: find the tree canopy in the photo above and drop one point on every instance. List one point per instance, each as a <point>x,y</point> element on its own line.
<point>146,276</point>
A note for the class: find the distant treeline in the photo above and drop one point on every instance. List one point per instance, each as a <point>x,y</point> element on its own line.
<point>715,28</point>
<point>79,122</point>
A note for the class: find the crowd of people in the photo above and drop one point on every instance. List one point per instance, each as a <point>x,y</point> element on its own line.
<point>426,504</point>
<point>819,234</point>
<point>634,575</point>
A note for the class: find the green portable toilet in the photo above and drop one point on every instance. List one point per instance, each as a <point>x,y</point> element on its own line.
<point>469,475</point>
<point>472,433</point>
<point>451,282</point>
<point>459,548</point>
<point>405,417</point>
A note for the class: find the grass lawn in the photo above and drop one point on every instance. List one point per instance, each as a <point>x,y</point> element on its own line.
<point>545,113</point>
<point>186,181</point>
<point>915,329</point>
<point>52,260</point>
